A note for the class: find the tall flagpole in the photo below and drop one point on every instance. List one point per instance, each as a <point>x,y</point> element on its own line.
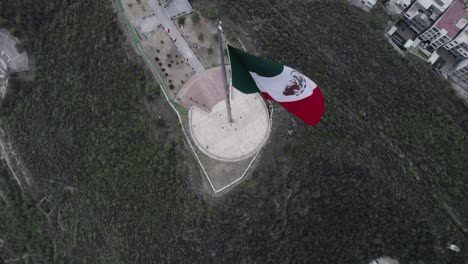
<point>223,68</point>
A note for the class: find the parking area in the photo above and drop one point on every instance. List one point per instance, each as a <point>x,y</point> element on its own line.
<point>176,8</point>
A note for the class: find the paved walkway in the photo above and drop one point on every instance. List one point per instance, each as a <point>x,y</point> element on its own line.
<point>181,44</point>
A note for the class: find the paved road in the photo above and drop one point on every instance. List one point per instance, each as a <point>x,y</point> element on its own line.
<point>181,44</point>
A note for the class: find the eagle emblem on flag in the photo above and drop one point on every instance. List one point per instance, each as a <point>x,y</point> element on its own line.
<point>296,85</point>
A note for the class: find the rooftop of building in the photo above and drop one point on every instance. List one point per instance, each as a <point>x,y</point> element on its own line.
<point>439,4</point>
<point>425,12</point>
<point>449,61</point>
<point>463,36</point>
<point>405,31</point>
<point>454,20</point>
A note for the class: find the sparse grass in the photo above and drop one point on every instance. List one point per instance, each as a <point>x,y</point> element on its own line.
<point>181,20</point>
<point>195,18</point>
<point>252,183</point>
<point>201,37</point>
<point>212,13</point>
<point>152,88</point>
<point>231,35</point>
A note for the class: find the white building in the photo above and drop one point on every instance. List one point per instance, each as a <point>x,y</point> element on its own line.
<point>450,24</point>
<point>398,6</point>
<point>445,30</point>
<point>458,47</point>
<point>458,50</point>
<point>454,52</point>
<point>423,13</point>
<point>419,15</point>
<point>460,74</point>
<point>368,4</point>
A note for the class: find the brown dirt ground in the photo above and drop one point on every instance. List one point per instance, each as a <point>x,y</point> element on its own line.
<point>190,31</point>
<point>135,8</point>
<point>179,72</point>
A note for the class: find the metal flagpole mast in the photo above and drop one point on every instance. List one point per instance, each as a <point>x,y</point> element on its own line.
<point>223,68</point>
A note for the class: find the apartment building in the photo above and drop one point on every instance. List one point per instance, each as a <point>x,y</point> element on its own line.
<point>366,5</point>
<point>447,27</point>
<point>457,51</point>
<point>418,16</point>
<point>398,6</point>
<point>369,4</point>
<point>437,31</point>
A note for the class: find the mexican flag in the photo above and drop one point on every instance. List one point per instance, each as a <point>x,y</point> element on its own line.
<point>293,90</point>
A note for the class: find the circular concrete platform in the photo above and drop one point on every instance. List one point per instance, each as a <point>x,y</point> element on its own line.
<point>225,141</point>
<point>208,125</point>
<point>11,60</point>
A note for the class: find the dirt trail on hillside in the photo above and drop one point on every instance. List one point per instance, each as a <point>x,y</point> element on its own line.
<point>17,169</point>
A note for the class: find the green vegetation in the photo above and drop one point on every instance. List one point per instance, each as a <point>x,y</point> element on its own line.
<point>195,18</point>
<point>397,17</point>
<point>19,47</point>
<point>212,13</point>
<point>210,50</point>
<point>23,225</point>
<point>231,36</point>
<point>181,20</point>
<point>374,178</point>
<point>201,37</point>
<point>423,55</point>
<point>152,88</point>
<point>13,31</point>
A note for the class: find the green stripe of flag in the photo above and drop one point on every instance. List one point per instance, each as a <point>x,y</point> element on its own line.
<point>242,63</point>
